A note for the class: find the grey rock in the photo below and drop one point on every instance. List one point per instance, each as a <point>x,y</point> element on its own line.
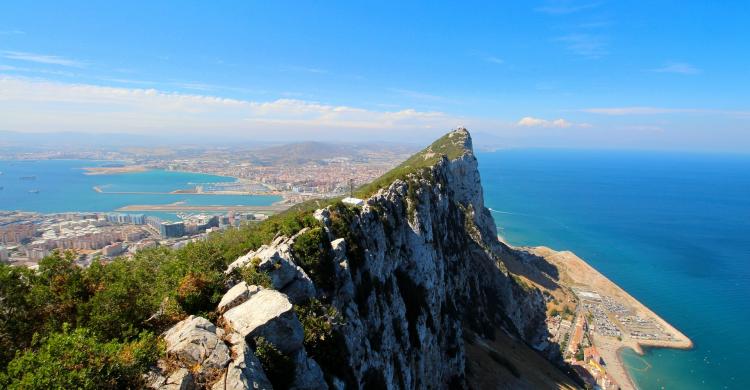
<point>345,287</point>
<point>241,261</point>
<point>268,314</point>
<point>276,259</point>
<point>236,295</point>
<point>181,379</point>
<point>196,341</point>
<point>245,371</point>
<point>428,264</point>
<point>307,373</point>
<point>301,288</point>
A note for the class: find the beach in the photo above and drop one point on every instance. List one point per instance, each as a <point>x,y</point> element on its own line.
<point>575,274</point>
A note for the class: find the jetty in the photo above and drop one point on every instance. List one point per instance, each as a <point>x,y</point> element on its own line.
<point>173,208</point>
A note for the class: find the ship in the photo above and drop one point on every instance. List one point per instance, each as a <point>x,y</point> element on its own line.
<point>33,191</point>
<point>28,178</point>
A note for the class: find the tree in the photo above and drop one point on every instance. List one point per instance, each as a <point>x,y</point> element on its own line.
<point>77,360</point>
<point>16,312</point>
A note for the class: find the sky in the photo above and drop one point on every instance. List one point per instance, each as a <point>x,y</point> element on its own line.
<point>574,74</point>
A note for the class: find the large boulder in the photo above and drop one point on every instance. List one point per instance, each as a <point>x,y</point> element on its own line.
<point>277,260</point>
<point>345,286</point>
<point>236,295</point>
<point>181,379</point>
<point>245,371</point>
<point>196,342</point>
<point>301,288</point>
<point>268,314</point>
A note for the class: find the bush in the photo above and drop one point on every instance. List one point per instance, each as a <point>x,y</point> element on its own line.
<point>318,321</point>
<point>78,360</point>
<point>313,252</point>
<point>278,367</point>
<point>117,302</point>
<point>198,292</point>
<point>16,312</point>
<point>253,276</point>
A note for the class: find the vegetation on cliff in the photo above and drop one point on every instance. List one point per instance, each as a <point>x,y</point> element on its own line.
<point>451,146</point>
<point>109,307</point>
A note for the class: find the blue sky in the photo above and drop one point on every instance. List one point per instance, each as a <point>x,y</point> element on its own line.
<point>592,74</point>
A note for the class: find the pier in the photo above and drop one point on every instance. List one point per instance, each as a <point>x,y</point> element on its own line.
<point>173,208</point>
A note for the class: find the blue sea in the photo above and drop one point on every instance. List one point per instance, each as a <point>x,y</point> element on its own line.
<point>673,229</point>
<point>62,186</point>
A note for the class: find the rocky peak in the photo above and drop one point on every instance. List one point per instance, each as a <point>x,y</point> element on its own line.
<point>416,276</point>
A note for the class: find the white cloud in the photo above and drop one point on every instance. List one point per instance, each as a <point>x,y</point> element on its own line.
<point>41,59</point>
<point>495,60</point>
<point>11,32</point>
<point>621,111</point>
<point>585,45</point>
<point>678,68</point>
<point>529,121</point>
<point>631,110</point>
<point>304,69</point>
<point>39,105</point>
<point>644,128</point>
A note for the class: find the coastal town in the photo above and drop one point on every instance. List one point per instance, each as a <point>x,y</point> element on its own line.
<point>296,172</point>
<point>598,320</point>
<point>303,171</point>
<point>26,237</point>
<point>589,318</point>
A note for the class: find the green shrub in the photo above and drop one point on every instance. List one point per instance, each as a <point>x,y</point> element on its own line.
<point>278,367</point>
<point>78,360</point>
<point>313,252</point>
<point>318,321</point>
<point>16,311</point>
<point>253,276</point>
<point>450,146</point>
<point>324,341</point>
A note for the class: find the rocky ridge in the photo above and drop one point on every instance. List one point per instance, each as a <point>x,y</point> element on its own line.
<point>414,276</point>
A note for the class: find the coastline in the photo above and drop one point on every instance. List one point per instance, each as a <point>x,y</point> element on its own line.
<point>95,171</point>
<point>576,272</point>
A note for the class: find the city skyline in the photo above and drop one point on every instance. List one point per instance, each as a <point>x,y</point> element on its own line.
<point>572,74</point>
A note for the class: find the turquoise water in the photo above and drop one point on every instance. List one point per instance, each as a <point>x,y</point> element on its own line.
<point>63,187</point>
<point>671,229</point>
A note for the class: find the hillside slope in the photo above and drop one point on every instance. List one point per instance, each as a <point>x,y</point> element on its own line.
<point>407,291</point>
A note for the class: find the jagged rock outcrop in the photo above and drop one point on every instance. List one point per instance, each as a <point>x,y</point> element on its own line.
<point>413,273</point>
<point>268,314</point>
<point>415,267</point>
<point>236,295</point>
<point>195,341</point>
<point>276,259</point>
<point>245,370</point>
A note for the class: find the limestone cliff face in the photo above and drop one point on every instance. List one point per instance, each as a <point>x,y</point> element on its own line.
<point>417,266</point>
<point>417,277</point>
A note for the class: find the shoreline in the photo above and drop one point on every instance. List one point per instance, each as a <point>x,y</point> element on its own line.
<point>576,272</point>
<point>607,346</point>
<point>97,171</point>
<point>621,363</point>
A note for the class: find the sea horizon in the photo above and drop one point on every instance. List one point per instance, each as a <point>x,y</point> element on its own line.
<point>629,216</point>
<point>64,187</point>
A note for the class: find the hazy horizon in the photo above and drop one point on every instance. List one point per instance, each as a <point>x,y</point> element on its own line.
<point>560,74</point>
